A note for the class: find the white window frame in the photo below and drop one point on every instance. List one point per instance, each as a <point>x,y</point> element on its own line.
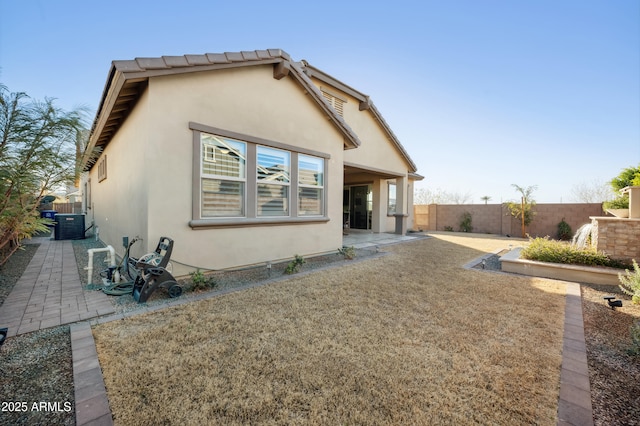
<point>320,187</point>
<point>222,178</point>
<point>285,184</point>
<point>251,217</point>
<point>392,208</point>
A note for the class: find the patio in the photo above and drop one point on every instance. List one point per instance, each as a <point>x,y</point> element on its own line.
<point>365,239</point>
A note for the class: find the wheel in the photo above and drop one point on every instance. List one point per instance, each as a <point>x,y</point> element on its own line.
<point>175,291</point>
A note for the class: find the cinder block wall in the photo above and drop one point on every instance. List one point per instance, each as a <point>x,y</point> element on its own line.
<point>547,217</point>
<point>619,238</point>
<point>495,218</point>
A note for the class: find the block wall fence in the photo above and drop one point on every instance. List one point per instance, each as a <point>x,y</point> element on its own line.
<point>619,238</point>
<point>495,218</point>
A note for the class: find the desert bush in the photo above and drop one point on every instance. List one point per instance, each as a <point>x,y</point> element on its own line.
<point>200,281</point>
<point>548,250</point>
<point>630,283</point>
<point>621,202</point>
<point>348,252</point>
<point>40,148</point>
<point>295,264</point>
<point>564,231</point>
<point>465,222</point>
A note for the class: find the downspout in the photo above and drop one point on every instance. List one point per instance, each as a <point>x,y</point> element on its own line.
<point>112,263</point>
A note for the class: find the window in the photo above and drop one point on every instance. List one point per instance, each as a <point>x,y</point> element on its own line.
<point>310,185</point>
<point>223,177</point>
<point>102,169</point>
<point>273,173</point>
<point>87,195</point>
<point>391,205</point>
<point>241,180</point>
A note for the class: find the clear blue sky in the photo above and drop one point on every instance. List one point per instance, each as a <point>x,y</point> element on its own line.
<point>482,93</point>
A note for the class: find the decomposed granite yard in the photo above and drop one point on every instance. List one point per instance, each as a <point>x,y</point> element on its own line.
<point>407,338</point>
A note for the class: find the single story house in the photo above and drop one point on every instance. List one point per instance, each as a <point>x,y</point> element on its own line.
<point>241,158</point>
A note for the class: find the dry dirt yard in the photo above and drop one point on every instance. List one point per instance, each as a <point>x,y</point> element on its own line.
<point>407,338</point>
<point>37,366</point>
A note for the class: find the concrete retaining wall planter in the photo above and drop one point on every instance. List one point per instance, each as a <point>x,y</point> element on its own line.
<point>581,274</point>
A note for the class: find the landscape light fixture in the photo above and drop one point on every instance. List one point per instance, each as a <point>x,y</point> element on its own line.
<point>613,303</point>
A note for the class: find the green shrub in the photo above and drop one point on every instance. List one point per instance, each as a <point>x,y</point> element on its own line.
<point>448,228</point>
<point>547,250</point>
<point>630,283</point>
<point>348,252</point>
<point>200,281</point>
<point>621,202</point>
<point>465,222</point>
<point>295,264</point>
<point>564,231</point>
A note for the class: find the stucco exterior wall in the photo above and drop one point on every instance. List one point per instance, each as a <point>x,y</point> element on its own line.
<point>156,142</point>
<point>377,154</point>
<point>119,203</point>
<point>371,153</point>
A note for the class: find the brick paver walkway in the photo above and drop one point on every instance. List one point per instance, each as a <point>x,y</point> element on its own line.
<point>50,293</point>
<point>574,405</point>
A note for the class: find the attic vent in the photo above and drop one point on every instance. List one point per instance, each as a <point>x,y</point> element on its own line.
<point>334,101</point>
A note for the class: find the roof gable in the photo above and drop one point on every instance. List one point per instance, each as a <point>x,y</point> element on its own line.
<point>128,79</point>
<point>365,105</point>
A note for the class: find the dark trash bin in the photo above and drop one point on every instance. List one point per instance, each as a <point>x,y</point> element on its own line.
<point>48,214</point>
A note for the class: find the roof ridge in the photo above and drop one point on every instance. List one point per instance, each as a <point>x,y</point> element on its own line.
<point>141,64</point>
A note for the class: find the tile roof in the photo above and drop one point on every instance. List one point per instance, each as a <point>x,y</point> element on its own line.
<point>128,79</point>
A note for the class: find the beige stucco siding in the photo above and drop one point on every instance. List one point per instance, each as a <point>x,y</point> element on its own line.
<point>248,101</point>
<point>376,153</point>
<point>376,150</point>
<point>119,203</point>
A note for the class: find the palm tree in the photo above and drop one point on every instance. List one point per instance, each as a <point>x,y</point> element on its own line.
<point>485,198</point>
<point>524,209</point>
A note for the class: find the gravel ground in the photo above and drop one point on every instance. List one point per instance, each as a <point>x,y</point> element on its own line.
<point>613,372</point>
<point>224,280</point>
